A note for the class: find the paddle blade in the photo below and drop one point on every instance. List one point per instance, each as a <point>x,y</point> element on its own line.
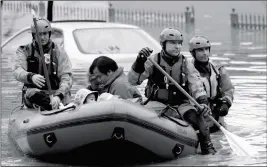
<point>239,146</point>
<point>33,12</point>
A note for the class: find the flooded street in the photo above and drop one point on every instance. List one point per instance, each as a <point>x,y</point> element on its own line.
<point>242,52</point>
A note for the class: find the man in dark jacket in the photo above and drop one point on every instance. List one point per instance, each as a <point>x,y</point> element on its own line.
<point>110,78</point>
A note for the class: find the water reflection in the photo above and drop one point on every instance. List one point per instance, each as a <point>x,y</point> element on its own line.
<point>235,39</point>
<point>190,31</point>
<point>248,39</point>
<point>244,55</point>
<point>247,119</point>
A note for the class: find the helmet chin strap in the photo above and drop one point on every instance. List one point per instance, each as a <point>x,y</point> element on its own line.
<point>170,56</point>
<point>48,43</point>
<point>202,63</point>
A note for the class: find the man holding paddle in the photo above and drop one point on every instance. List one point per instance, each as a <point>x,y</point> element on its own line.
<point>159,88</point>
<point>216,80</point>
<point>38,59</point>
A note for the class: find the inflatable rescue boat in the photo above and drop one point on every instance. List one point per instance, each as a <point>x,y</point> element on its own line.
<point>107,128</point>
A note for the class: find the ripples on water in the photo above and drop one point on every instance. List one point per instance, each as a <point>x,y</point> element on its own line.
<point>246,64</point>
<point>247,117</point>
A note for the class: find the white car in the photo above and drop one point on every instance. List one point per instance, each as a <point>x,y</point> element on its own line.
<point>86,40</point>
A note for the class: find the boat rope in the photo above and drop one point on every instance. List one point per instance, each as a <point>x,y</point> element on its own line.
<point>154,91</point>
<point>20,106</point>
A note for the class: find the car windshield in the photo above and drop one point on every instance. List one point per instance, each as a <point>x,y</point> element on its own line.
<point>111,40</point>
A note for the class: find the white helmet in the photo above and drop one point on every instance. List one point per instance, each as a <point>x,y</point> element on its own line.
<point>170,34</point>
<point>42,24</point>
<point>81,95</point>
<point>198,42</point>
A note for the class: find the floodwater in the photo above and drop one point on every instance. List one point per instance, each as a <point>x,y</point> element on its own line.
<point>243,52</point>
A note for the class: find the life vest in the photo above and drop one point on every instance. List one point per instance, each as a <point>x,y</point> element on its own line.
<point>161,89</point>
<point>212,86</point>
<point>34,65</point>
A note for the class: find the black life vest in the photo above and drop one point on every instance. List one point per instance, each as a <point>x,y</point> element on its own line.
<point>166,92</point>
<point>34,65</point>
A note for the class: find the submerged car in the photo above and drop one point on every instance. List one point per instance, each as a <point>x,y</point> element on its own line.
<point>83,41</point>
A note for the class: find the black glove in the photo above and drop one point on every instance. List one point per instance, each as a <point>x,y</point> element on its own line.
<point>223,106</point>
<point>202,100</point>
<point>143,54</point>
<point>223,110</point>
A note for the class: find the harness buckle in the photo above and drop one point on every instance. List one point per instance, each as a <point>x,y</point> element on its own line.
<point>183,79</point>
<point>153,90</point>
<point>166,82</point>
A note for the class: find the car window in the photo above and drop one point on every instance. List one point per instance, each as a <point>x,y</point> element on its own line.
<point>57,37</point>
<point>21,39</point>
<point>111,40</point>
<point>9,50</point>
<point>25,37</point>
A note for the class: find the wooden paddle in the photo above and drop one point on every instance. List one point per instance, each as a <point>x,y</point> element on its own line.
<point>238,145</point>
<point>42,55</point>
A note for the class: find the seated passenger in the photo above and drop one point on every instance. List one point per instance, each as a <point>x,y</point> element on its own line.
<point>83,96</point>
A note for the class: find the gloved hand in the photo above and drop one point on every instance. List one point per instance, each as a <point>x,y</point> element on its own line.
<point>223,106</point>
<point>55,101</point>
<point>144,54</point>
<point>205,111</point>
<point>138,65</point>
<point>38,80</point>
<point>223,110</point>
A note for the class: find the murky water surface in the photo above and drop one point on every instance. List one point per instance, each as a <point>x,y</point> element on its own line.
<point>243,54</point>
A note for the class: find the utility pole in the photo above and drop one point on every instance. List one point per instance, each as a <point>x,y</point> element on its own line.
<point>50,10</point>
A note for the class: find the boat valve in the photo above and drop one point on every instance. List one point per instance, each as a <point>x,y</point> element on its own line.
<point>177,150</point>
<point>50,139</point>
<point>118,133</point>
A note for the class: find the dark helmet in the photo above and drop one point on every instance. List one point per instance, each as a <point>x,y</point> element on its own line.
<point>43,25</point>
<point>170,34</point>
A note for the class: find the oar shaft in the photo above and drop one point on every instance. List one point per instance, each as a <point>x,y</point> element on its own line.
<point>181,89</point>
<point>174,82</point>
<point>229,136</point>
<point>42,56</point>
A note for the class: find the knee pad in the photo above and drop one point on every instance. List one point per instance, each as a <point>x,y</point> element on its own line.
<point>191,117</point>
<point>41,99</point>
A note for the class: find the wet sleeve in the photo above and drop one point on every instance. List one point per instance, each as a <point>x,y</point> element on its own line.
<point>124,89</point>
<point>195,83</point>
<point>19,65</point>
<point>227,86</point>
